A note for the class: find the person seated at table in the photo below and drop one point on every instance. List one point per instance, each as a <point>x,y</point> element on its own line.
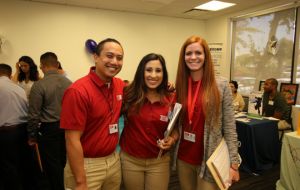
<point>274,104</point>
<point>238,101</point>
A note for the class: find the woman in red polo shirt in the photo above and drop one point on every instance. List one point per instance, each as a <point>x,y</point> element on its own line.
<point>207,116</point>
<point>147,106</point>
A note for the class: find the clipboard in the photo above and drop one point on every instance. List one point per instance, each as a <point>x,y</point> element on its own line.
<point>219,165</point>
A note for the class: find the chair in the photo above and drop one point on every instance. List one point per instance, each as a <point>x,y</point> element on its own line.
<point>246,100</point>
<point>289,91</point>
<point>291,128</point>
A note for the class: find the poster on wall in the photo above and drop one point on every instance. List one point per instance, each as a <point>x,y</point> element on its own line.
<point>216,50</point>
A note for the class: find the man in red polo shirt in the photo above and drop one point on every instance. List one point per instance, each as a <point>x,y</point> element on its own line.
<point>90,112</point>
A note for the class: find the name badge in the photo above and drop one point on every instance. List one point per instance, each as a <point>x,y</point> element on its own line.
<point>113,128</point>
<point>271,102</point>
<point>164,118</point>
<point>189,136</point>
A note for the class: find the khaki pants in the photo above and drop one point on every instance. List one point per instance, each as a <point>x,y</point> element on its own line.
<point>102,173</point>
<point>145,174</point>
<point>189,179</point>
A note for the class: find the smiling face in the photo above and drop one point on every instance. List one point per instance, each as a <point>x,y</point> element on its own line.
<point>153,74</point>
<point>109,62</point>
<point>194,57</point>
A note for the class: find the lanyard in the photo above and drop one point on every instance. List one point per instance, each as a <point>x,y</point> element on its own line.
<point>191,103</point>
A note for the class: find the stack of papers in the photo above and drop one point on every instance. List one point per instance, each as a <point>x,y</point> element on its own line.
<point>240,114</point>
<point>271,118</point>
<point>245,120</point>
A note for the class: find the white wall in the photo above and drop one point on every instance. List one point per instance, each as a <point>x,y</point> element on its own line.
<point>218,31</point>
<point>33,28</point>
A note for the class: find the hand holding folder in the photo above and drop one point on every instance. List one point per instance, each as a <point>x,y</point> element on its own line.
<point>171,125</point>
<point>219,165</point>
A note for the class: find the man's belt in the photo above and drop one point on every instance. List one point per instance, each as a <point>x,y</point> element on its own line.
<point>11,127</point>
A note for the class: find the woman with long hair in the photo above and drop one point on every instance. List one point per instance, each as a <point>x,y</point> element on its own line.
<point>26,73</point>
<point>147,107</point>
<point>207,116</point>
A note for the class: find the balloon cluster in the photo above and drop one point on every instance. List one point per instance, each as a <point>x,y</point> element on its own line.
<point>91,46</point>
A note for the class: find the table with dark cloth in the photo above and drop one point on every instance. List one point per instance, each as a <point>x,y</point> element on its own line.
<point>260,147</point>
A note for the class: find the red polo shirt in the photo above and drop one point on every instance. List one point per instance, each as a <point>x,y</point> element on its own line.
<point>142,130</point>
<point>192,152</point>
<point>89,105</point>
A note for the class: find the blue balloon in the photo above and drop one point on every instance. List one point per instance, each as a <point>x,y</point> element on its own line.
<point>91,46</point>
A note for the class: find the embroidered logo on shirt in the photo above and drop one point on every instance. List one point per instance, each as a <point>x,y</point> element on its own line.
<point>119,97</point>
<point>164,118</point>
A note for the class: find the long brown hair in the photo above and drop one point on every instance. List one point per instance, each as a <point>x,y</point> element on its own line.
<point>211,95</point>
<point>135,93</point>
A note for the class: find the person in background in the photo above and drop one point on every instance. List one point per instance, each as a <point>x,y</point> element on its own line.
<point>61,70</point>
<point>26,73</point>
<point>207,116</point>
<point>238,101</point>
<point>44,119</point>
<point>275,105</point>
<point>92,125</point>
<point>15,153</point>
<point>147,106</point>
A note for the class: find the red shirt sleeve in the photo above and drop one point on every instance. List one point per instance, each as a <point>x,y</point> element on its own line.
<point>74,110</point>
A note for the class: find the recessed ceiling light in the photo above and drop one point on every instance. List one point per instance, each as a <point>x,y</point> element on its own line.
<point>214,5</point>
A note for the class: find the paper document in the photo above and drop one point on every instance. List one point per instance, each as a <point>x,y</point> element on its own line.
<point>271,118</point>
<point>245,120</point>
<point>240,114</point>
<point>173,119</point>
<point>255,103</point>
<point>219,165</point>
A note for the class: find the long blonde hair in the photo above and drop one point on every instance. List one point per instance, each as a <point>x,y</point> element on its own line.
<point>211,94</point>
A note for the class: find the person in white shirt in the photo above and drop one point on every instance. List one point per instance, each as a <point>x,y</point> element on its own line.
<point>26,73</point>
<point>15,171</point>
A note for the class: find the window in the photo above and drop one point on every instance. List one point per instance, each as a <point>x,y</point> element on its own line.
<point>263,48</point>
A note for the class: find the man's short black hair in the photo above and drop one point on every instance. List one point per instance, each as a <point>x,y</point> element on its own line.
<point>49,59</point>
<point>5,70</point>
<point>273,81</point>
<point>235,84</point>
<point>103,42</point>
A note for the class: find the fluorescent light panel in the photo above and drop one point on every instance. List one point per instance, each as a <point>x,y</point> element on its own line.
<point>214,5</point>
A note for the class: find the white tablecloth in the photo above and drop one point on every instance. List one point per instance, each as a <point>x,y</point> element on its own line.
<point>290,163</point>
<point>295,116</point>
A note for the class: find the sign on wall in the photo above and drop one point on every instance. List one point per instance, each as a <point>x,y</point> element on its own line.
<point>216,50</point>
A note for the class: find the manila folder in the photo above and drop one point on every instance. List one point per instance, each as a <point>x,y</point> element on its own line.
<point>219,165</point>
